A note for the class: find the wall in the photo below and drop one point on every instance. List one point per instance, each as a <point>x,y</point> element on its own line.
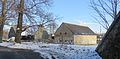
<point>5,35</point>
<point>38,34</point>
<point>63,35</point>
<point>85,39</point>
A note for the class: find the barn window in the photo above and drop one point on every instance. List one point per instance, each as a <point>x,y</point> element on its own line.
<point>82,33</point>
<point>60,40</point>
<point>65,33</point>
<point>65,40</point>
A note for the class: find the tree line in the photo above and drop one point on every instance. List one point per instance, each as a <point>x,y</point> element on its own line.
<point>32,13</point>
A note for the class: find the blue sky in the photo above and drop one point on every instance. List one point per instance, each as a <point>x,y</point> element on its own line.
<point>76,12</point>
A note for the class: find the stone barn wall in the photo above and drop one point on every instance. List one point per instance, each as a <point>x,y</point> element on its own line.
<point>85,39</point>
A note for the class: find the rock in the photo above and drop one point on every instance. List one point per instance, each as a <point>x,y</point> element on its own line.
<point>109,47</point>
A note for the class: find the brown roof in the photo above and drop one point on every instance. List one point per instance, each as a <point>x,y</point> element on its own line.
<point>79,30</point>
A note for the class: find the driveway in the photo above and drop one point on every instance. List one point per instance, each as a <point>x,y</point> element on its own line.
<point>12,53</point>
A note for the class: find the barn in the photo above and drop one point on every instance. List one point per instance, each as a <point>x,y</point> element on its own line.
<point>75,34</point>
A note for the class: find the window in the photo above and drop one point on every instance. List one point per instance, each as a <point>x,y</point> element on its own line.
<point>65,33</point>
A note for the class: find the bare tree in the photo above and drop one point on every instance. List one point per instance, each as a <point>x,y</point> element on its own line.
<point>2,19</point>
<point>30,12</point>
<point>19,23</point>
<point>11,14</point>
<point>52,25</point>
<point>105,10</point>
<point>46,21</point>
<point>6,13</point>
<point>33,9</point>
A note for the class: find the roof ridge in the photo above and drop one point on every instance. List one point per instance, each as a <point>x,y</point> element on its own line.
<point>74,24</point>
<point>76,29</point>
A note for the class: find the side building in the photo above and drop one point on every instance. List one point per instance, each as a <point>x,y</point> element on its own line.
<point>41,35</point>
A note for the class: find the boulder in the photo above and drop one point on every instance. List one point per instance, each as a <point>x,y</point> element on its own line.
<point>109,47</point>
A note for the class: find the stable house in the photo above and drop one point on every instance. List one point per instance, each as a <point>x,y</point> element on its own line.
<point>41,35</point>
<point>75,34</point>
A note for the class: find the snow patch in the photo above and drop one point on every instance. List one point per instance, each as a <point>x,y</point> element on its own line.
<point>57,51</point>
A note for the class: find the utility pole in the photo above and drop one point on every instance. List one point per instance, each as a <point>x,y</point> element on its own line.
<point>100,29</point>
<point>19,23</point>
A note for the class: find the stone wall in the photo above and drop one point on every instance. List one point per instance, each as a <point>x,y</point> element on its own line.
<point>64,40</point>
<point>109,47</point>
<point>85,39</point>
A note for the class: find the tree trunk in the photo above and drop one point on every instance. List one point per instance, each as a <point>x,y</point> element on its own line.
<point>19,25</point>
<point>1,32</point>
<point>2,19</point>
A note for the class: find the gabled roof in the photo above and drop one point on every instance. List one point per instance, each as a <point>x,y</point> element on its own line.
<point>79,30</point>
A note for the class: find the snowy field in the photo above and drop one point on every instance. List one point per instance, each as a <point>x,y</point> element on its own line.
<point>58,51</point>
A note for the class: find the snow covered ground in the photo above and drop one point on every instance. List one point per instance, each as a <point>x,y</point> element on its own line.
<point>57,51</point>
